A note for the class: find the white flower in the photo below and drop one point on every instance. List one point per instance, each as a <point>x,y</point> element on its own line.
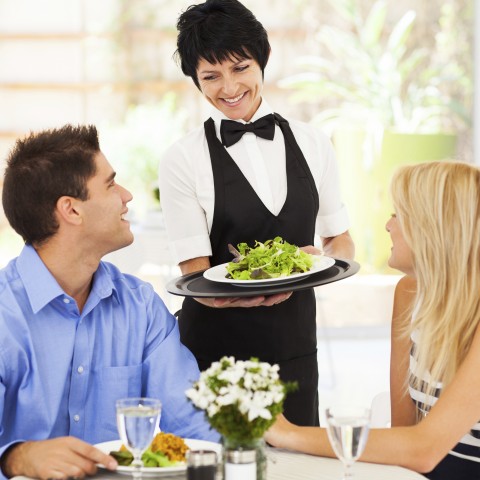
<point>254,407</point>
<point>231,376</point>
<point>212,409</point>
<point>229,396</point>
<point>251,387</point>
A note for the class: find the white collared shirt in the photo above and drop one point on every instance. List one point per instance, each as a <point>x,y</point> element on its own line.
<point>187,191</point>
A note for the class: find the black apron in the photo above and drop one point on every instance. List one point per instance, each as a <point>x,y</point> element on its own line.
<point>283,333</point>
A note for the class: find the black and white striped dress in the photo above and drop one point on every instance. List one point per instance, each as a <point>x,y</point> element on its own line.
<point>463,461</point>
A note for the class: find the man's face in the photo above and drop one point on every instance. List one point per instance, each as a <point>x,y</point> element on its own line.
<point>234,86</point>
<point>103,213</point>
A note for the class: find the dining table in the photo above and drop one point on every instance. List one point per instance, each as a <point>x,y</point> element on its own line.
<point>287,465</point>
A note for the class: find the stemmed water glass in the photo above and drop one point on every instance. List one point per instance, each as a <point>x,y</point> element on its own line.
<point>347,429</point>
<point>137,419</point>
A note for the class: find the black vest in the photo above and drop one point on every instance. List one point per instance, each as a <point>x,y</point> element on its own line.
<point>283,333</point>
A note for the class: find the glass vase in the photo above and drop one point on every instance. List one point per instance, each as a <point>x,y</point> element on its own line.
<point>257,444</point>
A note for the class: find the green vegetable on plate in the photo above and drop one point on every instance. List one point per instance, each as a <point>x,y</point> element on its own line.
<point>271,259</point>
<point>149,459</point>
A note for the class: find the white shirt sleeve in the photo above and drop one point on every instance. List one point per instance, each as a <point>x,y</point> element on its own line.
<point>185,219</point>
<point>332,218</point>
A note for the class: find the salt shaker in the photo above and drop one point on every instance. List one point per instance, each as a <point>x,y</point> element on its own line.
<point>240,465</point>
<point>201,465</point>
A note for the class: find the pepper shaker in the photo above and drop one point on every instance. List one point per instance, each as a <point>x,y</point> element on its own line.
<point>240,465</point>
<point>201,465</point>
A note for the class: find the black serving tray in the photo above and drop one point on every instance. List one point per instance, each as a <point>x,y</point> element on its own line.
<point>195,285</point>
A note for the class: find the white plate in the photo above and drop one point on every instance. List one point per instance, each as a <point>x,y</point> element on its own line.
<point>193,444</point>
<point>218,274</point>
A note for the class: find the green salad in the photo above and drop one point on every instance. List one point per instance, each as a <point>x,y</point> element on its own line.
<point>149,458</point>
<point>271,259</point>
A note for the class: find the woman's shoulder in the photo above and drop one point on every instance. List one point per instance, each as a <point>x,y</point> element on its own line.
<point>311,138</point>
<point>406,287</point>
<point>184,155</point>
<point>314,143</point>
<point>186,145</point>
<point>309,130</point>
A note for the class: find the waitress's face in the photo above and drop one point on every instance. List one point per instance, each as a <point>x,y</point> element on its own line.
<point>234,86</point>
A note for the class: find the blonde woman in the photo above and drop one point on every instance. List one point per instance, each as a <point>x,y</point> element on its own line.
<point>435,358</point>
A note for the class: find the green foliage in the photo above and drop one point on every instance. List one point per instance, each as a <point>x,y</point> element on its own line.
<point>232,424</point>
<point>376,75</point>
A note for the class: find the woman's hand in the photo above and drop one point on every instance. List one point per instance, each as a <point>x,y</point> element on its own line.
<point>311,250</point>
<point>341,246</point>
<point>278,432</point>
<point>245,302</point>
<point>202,263</point>
<point>311,440</point>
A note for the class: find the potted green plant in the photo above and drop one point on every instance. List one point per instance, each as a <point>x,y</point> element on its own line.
<point>388,102</point>
<point>241,400</point>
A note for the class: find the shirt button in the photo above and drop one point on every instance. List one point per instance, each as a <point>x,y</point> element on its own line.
<point>76,418</point>
<point>66,300</point>
<point>80,369</point>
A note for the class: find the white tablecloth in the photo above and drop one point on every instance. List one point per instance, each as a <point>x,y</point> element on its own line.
<point>283,465</point>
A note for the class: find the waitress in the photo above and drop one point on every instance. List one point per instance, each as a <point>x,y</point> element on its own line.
<point>248,174</point>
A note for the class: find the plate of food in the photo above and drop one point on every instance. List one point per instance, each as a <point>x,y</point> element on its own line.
<point>269,263</point>
<point>166,449</point>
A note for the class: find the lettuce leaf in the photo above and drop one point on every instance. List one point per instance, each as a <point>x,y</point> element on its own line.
<point>271,259</point>
<point>156,459</point>
<point>123,457</point>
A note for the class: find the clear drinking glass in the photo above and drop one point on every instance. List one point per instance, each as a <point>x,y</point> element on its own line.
<point>137,419</point>
<point>347,429</point>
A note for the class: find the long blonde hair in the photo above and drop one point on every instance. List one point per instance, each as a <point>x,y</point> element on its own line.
<point>438,207</point>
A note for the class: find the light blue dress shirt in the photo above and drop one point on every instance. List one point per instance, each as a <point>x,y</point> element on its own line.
<point>61,371</point>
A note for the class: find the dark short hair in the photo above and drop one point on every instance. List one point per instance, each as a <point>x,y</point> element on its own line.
<point>217,30</point>
<point>41,168</point>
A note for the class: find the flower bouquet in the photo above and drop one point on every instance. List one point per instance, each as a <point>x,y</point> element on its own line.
<point>241,400</point>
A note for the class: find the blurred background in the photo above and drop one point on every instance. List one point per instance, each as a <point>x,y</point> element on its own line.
<point>390,82</point>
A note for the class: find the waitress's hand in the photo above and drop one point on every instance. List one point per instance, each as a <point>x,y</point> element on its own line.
<point>202,263</point>
<point>312,250</point>
<point>245,302</point>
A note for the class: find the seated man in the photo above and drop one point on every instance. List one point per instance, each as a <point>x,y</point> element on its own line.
<point>76,333</point>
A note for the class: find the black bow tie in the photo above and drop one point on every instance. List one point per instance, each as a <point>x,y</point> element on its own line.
<point>231,131</point>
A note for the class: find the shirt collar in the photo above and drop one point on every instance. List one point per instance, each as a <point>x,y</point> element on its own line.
<point>41,286</point>
<point>103,285</point>
<point>218,116</point>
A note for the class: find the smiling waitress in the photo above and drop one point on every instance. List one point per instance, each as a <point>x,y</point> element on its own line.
<point>248,174</point>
